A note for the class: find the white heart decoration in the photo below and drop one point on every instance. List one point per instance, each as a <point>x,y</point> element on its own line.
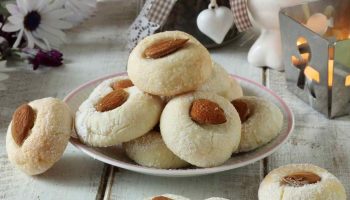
<point>215,22</point>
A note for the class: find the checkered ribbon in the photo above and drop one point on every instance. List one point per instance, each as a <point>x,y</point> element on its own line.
<point>159,10</point>
<point>240,14</point>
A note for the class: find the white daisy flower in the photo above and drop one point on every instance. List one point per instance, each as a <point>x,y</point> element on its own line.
<point>40,21</point>
<point>81,9</point>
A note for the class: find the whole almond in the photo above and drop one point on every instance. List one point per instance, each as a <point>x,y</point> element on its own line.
<point>164,48</point>
<point>301,178</point>
<point>161,198</point>
<point>122,84</point>
<point>204,111</point>
<point>242,109</point>
<point>22,121</point>
<point>112,100</point>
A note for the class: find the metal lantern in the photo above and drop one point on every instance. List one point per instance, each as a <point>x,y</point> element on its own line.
<point>316,54</point>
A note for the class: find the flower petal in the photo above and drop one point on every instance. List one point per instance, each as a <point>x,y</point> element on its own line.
<point>56,4</point>
<point>18,40</point>
<point>35,41</point>
<point>13,9</point>
<point>15,19</point>
<point>22,6</point>
<point>41,5</point>
<point>30,39</point>
<point>46,41</point>
<point>56,32</point>
<point>11,27</point>
<point>55,41</point>
<point>58,14</point>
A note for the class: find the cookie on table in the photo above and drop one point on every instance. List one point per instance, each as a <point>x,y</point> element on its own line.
<point>150,150</point>
<point>169,63</point>
<point>302,182</point>
<point>116,112</point>
<point>261,122</point>
<point>167,197</point>
<point>38,135</point>
<point>201,128</point>
<point>221,83</point>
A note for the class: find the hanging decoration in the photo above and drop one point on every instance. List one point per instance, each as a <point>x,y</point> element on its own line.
<point>215,21</point>
<point>155,13</point>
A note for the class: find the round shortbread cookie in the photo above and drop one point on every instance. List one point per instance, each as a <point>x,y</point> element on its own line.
<point>263,124</point>
<point>221,83</point>
<point>302,182</point>
<point>150,150</point>
<point>202,145</point>
<point>167,197</point>
<point>181,71</point>
<point>132,119</point>
<point>45,142</point>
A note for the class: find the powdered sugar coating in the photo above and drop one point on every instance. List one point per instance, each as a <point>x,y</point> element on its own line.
<point>264,123</point>
<point>221,83</point>
<point>200,145</point>
<point>329,188</point>
<point>134,118</point>
<point>150,150</point>
<point>46,141</point>
<point>182,71</point>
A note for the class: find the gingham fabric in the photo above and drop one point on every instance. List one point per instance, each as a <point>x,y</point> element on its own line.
<point>240,14</point>
<point>159,10</point>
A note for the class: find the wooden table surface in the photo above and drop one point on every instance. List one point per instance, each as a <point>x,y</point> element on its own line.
<point>97,48</point>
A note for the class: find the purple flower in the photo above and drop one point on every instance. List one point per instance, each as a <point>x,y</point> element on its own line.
<point>51,58</point>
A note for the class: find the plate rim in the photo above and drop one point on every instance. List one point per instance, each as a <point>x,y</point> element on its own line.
<point>178,172</point>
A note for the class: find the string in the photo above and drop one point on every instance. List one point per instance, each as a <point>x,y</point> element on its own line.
<point>213,4</point>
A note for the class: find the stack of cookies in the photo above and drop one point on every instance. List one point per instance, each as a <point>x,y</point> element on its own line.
<point>175,108</point>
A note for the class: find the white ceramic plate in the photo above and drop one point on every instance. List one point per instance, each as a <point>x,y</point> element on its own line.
<point>115,155</point>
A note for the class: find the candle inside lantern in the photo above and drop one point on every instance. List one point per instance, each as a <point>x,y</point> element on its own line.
<point>303,63</point>
<point>330,66</point>
<point>312,74</point>
<point>347,81</point>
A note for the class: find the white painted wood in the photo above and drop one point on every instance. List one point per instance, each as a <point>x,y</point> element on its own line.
<point>239,183</point>
<point>95,48</point>
<point>316,139</point>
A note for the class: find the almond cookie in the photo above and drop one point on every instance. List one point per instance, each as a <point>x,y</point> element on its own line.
<point>169,63</point>
<point>116,112</point>
<point>261,122</point>
<point>221,83</point>
<point>201,128</point>
<point>167,197</point>
<point>302,182</point>
<point>38,135</point>
<point>150,150</point>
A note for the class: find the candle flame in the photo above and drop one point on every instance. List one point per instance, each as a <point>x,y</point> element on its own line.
<point>330,72</point>
<point>312,74</point>
<point>347,81</point>
<point>330,66</point>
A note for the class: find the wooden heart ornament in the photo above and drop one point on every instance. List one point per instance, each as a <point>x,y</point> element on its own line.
<point>215,22</point>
